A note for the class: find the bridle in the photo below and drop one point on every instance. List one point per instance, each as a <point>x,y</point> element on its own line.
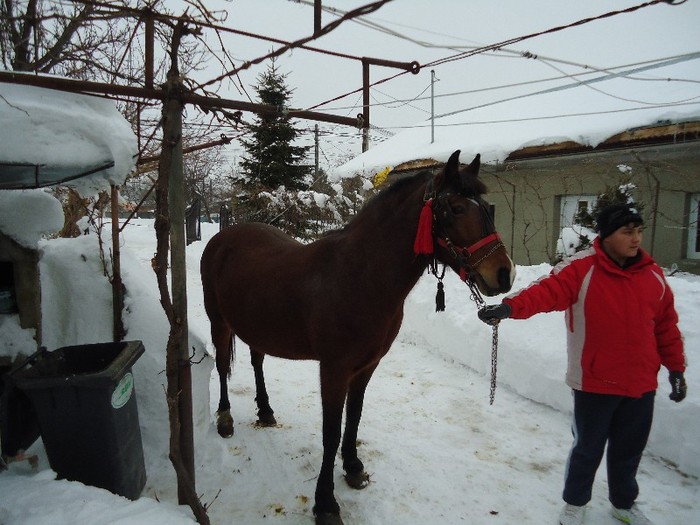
<point>434,205</point>
<point>464,255</point>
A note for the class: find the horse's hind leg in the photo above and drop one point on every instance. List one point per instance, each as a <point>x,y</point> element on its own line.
<point>355,474</point>
<point>266,415</point>
<point>222,337</point>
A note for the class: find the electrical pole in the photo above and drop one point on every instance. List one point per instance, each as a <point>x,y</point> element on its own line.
<point>315,151</point>
<point>432,106</point>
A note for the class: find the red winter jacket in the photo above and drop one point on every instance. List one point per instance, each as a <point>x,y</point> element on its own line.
<point>621,323</point>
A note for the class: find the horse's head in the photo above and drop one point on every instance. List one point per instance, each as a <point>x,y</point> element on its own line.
<point>465,237</point>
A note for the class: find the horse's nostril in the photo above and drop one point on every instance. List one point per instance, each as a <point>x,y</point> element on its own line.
<point>504,279</point>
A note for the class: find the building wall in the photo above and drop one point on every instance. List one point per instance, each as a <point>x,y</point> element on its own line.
<point>527,194</point>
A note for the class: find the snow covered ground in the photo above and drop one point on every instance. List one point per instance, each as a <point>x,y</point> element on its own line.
<point>436,450</point>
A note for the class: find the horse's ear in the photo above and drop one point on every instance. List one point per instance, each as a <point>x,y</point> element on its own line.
<point>452,165</point>
<point>471,172</point>
<point>450,173</point>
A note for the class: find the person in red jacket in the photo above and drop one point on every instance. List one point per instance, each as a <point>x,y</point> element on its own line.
<point>621,326</point>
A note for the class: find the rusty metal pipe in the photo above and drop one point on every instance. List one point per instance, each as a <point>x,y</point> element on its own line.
<point>413,67</point>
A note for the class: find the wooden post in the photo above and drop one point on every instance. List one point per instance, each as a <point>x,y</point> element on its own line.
<point>170,234</point>
<point>150,45</point>
<point>178,280</point>
<point>317,15</point>
<point>117,285</point>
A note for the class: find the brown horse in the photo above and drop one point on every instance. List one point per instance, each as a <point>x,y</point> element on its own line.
<point>340,300</point>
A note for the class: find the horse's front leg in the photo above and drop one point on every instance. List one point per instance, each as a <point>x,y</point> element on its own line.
<point>355,474</point>
<point>266,415</point>
<point>333,392</point>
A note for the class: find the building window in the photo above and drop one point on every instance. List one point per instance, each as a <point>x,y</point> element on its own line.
<point>572,206</point>
<point>572,236</point>
<point>693,230</point>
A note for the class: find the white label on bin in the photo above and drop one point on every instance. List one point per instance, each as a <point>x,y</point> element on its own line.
<point>122,393</point>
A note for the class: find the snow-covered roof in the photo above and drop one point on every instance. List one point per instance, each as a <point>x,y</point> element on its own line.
<point>494,141</point>
<point>52,137</point>
<point>496,133</point>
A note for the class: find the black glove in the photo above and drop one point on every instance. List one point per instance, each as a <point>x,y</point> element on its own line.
<point>493,313</point>
<point>678,386</point>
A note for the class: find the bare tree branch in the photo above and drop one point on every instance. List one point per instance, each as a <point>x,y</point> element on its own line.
<point>53,54</point>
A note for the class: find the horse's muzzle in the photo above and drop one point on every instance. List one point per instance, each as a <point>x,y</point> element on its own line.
<point>505,279</point>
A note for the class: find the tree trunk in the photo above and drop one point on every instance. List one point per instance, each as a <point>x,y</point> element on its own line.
<point>170,223</point>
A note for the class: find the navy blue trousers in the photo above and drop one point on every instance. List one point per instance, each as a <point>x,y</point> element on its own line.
<point>621,422</point>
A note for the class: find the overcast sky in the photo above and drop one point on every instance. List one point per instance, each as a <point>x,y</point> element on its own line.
<point>429,31</point>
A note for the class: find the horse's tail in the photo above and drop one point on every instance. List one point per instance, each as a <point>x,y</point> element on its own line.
<point>231,353</point>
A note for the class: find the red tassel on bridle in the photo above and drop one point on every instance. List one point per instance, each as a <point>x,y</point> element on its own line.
<point>424,237</point>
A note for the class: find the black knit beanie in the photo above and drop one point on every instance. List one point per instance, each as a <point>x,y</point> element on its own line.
<point>616,216</point>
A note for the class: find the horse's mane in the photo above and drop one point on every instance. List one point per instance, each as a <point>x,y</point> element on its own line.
<point>396,187</point>
<point>470,186</point>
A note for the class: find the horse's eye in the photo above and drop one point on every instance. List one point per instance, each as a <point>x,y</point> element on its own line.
<point>459,209</point>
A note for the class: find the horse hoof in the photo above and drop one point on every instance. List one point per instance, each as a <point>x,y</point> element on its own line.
<point>266,420</point>
<point>224,424</point>
<point>328,518</point>
<point>358,480</point>
<point>224,432</point>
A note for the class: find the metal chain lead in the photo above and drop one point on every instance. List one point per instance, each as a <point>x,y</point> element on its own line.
<point>480,303</point>
<point>494,362</point>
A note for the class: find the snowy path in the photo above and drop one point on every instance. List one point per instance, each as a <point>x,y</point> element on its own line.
<point>435,449</point>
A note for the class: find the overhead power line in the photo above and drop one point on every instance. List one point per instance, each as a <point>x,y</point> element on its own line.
<point>544,117</point>
<point>611,71</point>
<point>690,56</point>
<point>500,45</point>
<point>515,40</point>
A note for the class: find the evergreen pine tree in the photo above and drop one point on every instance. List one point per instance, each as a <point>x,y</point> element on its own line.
<point>272,160</point>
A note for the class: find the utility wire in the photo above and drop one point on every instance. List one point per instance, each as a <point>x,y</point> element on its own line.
<point>498,46</point>
<point>624,99</point>
<point>690,56</point>
<point>591,70</point>
<point>511,41</point>
<point>369,8</point>
<point>543,117</point>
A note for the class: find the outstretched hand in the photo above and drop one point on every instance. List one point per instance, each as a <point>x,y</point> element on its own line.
<point>493,313</point>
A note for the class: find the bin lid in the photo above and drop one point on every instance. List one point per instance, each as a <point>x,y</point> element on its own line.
<point>91,365</point>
